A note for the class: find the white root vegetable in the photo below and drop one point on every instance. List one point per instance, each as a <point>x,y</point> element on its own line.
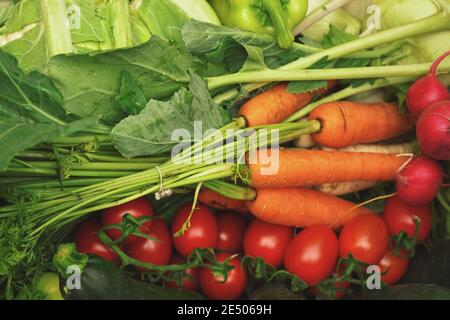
<point>401,148</point>
<point>305,142</point>
<point>342,188</point>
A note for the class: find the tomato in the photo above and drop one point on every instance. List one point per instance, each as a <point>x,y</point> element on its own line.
<point>400,217</point>
<point>158,251</point>
<point>137,208</point>
<point>312,254</point>
<point>87,241</point>
<point>394,266</point>
<point>213,286</point>
<point>231,231</point>
<point>190,281</point>
<point>267,241</point>
<point>365,237</point>
<point>203,232</point>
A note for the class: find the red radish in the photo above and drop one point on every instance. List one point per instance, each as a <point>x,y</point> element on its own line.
<point>427,90</point>
<point>419,182</point>
<point>433,130</point>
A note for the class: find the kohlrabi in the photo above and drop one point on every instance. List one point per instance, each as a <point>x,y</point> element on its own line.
<point>397,13</point>
<point>337,17</point>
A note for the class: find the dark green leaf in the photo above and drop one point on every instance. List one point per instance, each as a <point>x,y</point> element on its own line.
<point>90,84</point>
<point>306,86</point>
<point>234,47</point>
<point>151,132</point>
<point>16,135</point>
<point>30,111</point>
<point>131,97</point>
<point>32,97</point>
<point>336,37</point>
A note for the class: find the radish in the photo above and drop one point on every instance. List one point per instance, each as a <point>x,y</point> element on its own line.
<point>419,182</point>
<point>427,90</point>
<point>433,130</point>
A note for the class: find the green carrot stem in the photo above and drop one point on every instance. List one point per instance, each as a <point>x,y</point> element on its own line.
<point>435,23</point>
<point>345,93</point>
<point>438,22</point>
<point>80,140</point>
<point>325,74</point>
<point>231,191</point>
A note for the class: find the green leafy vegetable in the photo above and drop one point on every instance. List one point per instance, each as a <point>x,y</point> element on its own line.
<point>5,9</point>
<point>30,111</point>
<point>131,97</point>
<point>238,49</point>
<point>90,84</point>
<point>306,86</point>
<point>151,131</point>
<point>165,18</point>
<point>37,30</point>
<point>339,18</point>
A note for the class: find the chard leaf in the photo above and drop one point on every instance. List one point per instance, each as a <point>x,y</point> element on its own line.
<point>90,84</point>
<point>30,111</point>
<point>234,47</point>
<point>151,132</point>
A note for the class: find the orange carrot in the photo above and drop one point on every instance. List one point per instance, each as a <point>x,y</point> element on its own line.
<point>348,123</point>
<point>275,105</point>
<point>297,168</point>
<point>218,201</point>
<point>298,207</point>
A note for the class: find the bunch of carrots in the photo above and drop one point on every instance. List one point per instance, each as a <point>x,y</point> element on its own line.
<point>290,196</point>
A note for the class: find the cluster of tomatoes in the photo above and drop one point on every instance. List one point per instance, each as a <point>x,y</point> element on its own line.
<point>311,254</point>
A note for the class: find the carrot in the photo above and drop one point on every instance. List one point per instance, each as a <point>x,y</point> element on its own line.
<point>348,123</point>
<point>297,168</point>
<point>341,188</point>
<point>218,201</point>
<point>300,207</point>
<point>275,105</point>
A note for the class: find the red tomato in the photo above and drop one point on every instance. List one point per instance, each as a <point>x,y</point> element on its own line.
<point>365,237</point>
<point>231,231</point>
<point>203,232</point>
<point>394,266</point>
<point>213,286</point>
<point>87,241</point>
<point>157,251</point>
<point>189,283</point>
<point>137,208</point>
<point>400,217</point>
<point>312,254</point>
<point>268,241</point>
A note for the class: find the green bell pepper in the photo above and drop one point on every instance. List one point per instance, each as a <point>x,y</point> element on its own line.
<point>273,17</point>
